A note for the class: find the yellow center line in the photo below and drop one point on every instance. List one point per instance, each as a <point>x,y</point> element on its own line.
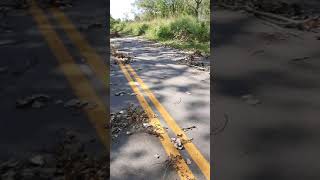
<point>92,58</point>
<point>74,75</point>
<point>193,151</point>
<point>183,170</point>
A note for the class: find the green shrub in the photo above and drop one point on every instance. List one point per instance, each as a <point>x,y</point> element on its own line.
<point>189,28</point>
<point>182,32</point>
<point>163,32</point>
<point>142,28</point>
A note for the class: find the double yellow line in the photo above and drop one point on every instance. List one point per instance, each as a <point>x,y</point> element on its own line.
<point>192,150</point>
<point>194,153</point>
<point>78,81</point>
<point>183,170</point>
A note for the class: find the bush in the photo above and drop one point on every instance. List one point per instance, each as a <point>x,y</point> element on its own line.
<point>142,28</point>
<point>187,31</point>
<point>189,28</point>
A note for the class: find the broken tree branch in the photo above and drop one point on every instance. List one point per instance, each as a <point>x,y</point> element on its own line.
<point>306,24</point>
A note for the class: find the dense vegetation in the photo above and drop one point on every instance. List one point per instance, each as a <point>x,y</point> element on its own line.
<point>179,23</point>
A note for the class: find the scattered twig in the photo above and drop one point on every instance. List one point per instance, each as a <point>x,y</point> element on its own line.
<point>188,128</point>
<point>178,102</point>
<point>300,59</point>
<point>307,24</point>
<point>171,162</point>
<point>217,131</point>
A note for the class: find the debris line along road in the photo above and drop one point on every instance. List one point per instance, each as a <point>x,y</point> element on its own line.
<point>196,155</point>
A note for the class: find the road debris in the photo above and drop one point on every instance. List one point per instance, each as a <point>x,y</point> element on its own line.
<point>157,156</point>
<point>131,120</point>
<point>272,37</point>
<point>76,103</point>
<point>256,52</point>
<point>178,102</point>
<point>173,163</point>
<point>164,77</point>
<point>120,93</point>
<point>288,15</point>
<point>38,101</point>
<point>146,125</point>
<point>8,42</point>
<point>114,34</point>
<point>188,128</point>
<point>188,161</point>
<point>38,104</point>
<point>35,101</point>
<point>177,143</point>
<point>59,101</point>
<point>250,99</point>
<point>218,130</point>
<point>300,59</point>
<point>120,56</point>
<point>68,159</point>
<point>37,160</point>
<point>196,60</point>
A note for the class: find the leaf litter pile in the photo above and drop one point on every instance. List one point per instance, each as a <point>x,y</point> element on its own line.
<point>42,100</point>
<point>125,58</point>
<point>196,60</point>
<point>172,163</point>
<point>70,159</point>
<point>131,120</point>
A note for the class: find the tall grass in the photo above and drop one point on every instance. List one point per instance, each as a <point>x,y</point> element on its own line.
<point>184,32</point>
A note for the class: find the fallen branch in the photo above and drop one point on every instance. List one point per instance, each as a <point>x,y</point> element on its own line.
<point>306,24</point>
<point>283,21</point>
<point>217,131</point>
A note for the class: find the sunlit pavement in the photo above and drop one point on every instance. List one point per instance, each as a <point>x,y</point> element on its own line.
<point>182,91</point>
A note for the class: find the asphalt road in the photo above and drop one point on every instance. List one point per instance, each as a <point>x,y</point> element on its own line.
<point>181,90</point>
<point>274,133</point>
<point>39,56</point>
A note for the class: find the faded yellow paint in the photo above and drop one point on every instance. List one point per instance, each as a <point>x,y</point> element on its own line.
<point>92,58</point>
<point>74,75</point>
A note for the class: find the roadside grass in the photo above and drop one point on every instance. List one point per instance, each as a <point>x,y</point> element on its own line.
<point>185,32</point>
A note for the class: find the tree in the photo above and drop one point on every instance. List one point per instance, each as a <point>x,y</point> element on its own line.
<point>198,3</point>
<point>166,8</point>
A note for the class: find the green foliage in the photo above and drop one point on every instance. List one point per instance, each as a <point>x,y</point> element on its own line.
<point>189,28</point>
<point>135,28</point>
<point>182,24</point>
<point>185,32</point>
<point>116,25</point>
<point>168,8</point>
